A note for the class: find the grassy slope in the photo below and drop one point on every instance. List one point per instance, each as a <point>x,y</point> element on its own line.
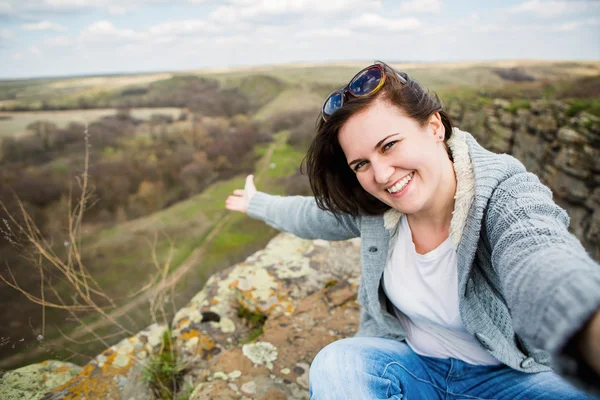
<point>122,257</point>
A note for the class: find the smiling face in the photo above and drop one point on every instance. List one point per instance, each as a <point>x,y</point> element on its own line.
<point>401,163</point>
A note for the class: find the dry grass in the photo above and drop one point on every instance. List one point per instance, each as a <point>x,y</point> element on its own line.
<point>86,294</point>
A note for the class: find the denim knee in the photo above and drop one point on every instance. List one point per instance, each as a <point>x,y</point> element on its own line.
<point>332,360</point>
<point>350,369</point>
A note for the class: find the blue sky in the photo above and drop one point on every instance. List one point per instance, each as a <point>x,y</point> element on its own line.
<point>76,37</point>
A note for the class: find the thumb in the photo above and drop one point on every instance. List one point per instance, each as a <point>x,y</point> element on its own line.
<point>249,188</point>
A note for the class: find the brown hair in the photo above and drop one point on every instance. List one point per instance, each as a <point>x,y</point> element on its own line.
<point>333,182</point>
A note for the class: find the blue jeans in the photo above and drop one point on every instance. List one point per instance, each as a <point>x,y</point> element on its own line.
<point>369,368</point>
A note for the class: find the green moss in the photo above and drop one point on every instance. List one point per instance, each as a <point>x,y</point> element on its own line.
<point>163,371</point>
<point>255,320</point>
<point>331,283</point>
<point>518,104</point>
<point>483,101</point>
<point>591,106</point>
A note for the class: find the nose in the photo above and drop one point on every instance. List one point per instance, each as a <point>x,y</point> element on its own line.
<point>382,171</point>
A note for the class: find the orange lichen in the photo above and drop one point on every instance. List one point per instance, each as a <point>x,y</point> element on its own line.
<point>62,368</point>
<point>102,387</point>
<point>214,301</point>
<point>206,343</point>
<point>109,368</point>
<point>192,333</point>
<point>233,284</point>
<point>87,370</point>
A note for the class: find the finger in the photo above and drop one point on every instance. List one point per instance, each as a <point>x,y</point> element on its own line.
<point>233,206</point>
<point>234,202</point>
<point>238,192</point>
<point>250,180</point>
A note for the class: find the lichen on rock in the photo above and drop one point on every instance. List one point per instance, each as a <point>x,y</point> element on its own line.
<point>32,381</point>
<point>262,353</point>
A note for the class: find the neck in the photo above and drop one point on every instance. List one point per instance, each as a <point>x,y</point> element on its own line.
<point>439,215</point>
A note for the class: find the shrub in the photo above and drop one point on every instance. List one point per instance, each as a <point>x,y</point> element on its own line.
<point>163,371</point>
<point>290,119</point>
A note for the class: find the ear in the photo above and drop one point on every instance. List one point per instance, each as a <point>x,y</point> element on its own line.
<point>437,127</point>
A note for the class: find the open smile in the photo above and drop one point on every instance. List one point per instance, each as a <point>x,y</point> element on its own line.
<point>401,184</point>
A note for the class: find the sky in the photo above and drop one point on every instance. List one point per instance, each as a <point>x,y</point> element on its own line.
<point>85,37</point>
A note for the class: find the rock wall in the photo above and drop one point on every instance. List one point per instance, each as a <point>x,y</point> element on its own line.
<point>563,150</point>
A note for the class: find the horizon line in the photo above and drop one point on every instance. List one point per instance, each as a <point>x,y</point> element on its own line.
<point>305,64</point>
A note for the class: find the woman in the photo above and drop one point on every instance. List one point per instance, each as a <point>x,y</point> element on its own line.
<point>470,277</point>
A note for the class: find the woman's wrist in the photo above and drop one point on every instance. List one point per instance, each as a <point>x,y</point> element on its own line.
<point>589,342</point>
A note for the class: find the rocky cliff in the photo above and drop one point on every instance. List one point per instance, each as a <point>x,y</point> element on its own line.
<point>562,149</point>
<point>253,330</point>
<point>304,292</point>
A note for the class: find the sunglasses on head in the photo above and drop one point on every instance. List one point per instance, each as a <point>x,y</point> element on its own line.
<point>364,83</point>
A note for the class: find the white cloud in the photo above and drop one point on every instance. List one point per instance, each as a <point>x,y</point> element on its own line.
<point>166,32</point>
<point>43,26</point>
<point>573,25</point>
<point>31,51</point>
<point>325,33</point>
<point>549,9</point>
<point>231,40</point>
<point>184,27</point>
<point>59,41</point>
<point>421,6</point>
<point>116,7</point>
<point>103,30</point>
<point>250,9</point>
<point>34,50</point>
<point>375,21</point>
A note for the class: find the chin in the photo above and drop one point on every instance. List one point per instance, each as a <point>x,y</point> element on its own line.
<point>406,207</point>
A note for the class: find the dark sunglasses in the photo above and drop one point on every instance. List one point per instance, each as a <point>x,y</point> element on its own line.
<point>365,83</point>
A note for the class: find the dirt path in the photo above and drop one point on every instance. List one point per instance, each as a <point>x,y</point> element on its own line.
<point>192,260</point>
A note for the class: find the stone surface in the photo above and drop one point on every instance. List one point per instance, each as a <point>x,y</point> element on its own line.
<point>32,381</point>
<point>307,290</point>
<point>116,373</point>
<point>327,315</point>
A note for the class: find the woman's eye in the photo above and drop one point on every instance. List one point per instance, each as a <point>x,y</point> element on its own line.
<point>389,145</point>
<point>359,165</point>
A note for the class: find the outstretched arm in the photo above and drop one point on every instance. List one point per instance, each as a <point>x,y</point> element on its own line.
<point>551,284</point>
<point>296,214</point>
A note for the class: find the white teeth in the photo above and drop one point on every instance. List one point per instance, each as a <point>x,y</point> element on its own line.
<point>400,185</point>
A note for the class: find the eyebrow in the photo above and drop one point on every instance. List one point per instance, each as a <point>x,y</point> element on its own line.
<point>374,148</point>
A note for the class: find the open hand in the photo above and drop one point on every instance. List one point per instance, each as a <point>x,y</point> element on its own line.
<point>241,198</point>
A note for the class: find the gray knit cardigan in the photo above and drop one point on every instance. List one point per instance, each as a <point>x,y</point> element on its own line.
<point>525,284</point>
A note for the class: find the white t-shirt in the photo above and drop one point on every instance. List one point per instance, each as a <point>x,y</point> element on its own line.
<point>424,287</point>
